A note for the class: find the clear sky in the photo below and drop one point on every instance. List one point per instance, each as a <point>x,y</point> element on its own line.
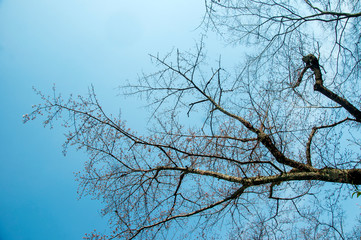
<point>72,43</point>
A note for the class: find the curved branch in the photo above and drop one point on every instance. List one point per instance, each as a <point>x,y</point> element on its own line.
<point>185,215</point>
<point>312,134</point>
<point>312,62</point>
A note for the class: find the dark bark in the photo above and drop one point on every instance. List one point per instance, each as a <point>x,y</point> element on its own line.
<point>312,62</point>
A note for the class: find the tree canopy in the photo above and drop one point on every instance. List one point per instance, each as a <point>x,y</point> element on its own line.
<point>277,152</point>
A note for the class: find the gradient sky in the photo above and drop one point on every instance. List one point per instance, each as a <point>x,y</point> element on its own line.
<point>73,44</point>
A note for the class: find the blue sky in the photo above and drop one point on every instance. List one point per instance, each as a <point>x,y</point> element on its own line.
<point>72,43</point>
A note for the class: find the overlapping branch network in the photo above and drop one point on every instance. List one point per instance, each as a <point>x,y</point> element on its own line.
<point>269,138</point>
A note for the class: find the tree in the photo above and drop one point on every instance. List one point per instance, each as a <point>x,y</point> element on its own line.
<point>278,149</point>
